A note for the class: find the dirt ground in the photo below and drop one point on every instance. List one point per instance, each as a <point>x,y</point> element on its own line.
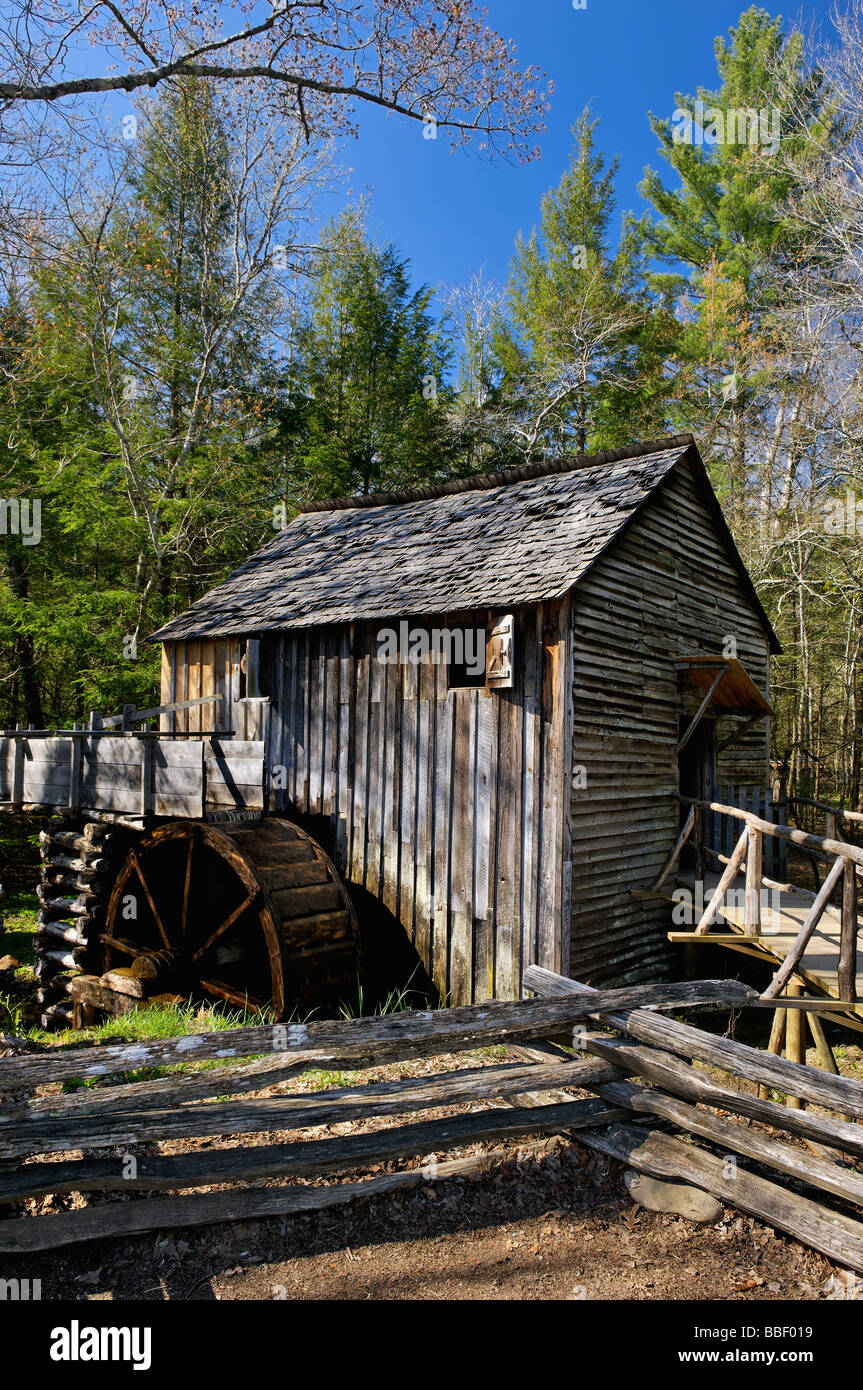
<point>555,1227</point>
<point>552,1220</point>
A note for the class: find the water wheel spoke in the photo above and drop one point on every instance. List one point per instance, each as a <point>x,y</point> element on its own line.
<point>126,948</point>
<point>186,886</point>
<point>149,896</point>
<point>222,928</point>
<point>232,996</point>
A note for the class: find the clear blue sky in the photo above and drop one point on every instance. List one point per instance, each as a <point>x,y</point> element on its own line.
<point>451,212</point>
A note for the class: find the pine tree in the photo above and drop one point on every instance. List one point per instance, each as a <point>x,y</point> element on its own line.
<point>580,365</point>
<point>372,374</point>
<point>729,226</point>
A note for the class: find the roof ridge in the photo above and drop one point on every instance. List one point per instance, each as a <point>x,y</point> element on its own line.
<point>482,482</point>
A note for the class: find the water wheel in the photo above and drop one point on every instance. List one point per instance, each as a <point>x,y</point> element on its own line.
<point>255,915</point>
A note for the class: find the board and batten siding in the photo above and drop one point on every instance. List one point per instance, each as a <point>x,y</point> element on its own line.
<point>450,806</point>
<point>667,588</point>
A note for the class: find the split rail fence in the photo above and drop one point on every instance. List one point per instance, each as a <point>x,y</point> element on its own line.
<point>627,1087</point>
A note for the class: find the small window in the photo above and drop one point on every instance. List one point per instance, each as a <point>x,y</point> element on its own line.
<point>482,656</point>
<point>466,667</point>
<point>250,656</point>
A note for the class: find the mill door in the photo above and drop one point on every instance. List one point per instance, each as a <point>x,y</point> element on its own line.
<point>696,770</point>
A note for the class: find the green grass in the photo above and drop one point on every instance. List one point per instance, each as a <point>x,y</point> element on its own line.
<point>150,1024</point>
<point>399,1000</point>
<point>19,857</point>
<point>19,920</point>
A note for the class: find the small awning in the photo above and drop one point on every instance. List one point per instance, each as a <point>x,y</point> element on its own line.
<point>735,693</point>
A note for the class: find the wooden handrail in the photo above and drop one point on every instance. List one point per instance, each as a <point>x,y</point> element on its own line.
<point>139,715</point>
<point>114,721</point>
<point>783,832</point>
<point>825,806</point>
<point>847,859</point>
<point>800,942</point>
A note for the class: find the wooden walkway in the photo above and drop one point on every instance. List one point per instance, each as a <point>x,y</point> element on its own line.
<point>818,966</point>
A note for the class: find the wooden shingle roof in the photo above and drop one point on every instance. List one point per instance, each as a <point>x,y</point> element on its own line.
<point>496,541</point>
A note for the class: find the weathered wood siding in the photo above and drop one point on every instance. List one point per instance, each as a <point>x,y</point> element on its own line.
<point>448,805</point>
<point>193,669</point>
<point>667,588</point>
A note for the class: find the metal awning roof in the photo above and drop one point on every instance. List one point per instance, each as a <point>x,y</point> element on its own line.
<point>735,693</point>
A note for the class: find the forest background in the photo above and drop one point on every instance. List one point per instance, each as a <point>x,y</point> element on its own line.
<point>189,353</point>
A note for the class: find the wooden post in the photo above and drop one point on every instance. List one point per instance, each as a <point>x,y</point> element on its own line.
<point>698,831</point>
<point>18,766</point>
<point>795,1039</point>
<point>847,969</point>
<point>75,770</point>
<point>775,1045</point>
<point>146,746</point>
<point>822,1046</point>
<point>752,916</point>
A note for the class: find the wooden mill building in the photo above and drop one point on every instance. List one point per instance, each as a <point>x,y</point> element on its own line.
<point>515,814</point>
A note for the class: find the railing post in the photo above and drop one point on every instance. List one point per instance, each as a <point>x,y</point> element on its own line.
<point>18,766</point>
<point>847,970</point>
<point>146,746</point>
<point>75,770</point>
<point>698,832</point>
<point>752,915</point>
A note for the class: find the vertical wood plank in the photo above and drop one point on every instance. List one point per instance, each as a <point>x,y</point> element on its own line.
<point>564,853</point>
<point>409,794</point>
<point>377,751</point>
<point>180,678</point>
<point>461,887</point>
<point>508,851</point>
<point>293,725</point>
<point>443,714</point>
<point>305,759</point>
<point>330,730</point>
<point>485,793</point>
<point>530,668</point>
<point>359,833</point>
<point>345,745</point>
<point>165,697</point>
<point>317,714</point>
<point>552,730</point>
<point>193,685</point>
<point>390,786</point>
<point>424,879</point>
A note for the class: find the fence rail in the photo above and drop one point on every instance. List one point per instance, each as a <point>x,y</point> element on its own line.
<point>591,1094</point>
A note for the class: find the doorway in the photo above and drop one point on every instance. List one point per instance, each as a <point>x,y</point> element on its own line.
<point>696,772</point>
